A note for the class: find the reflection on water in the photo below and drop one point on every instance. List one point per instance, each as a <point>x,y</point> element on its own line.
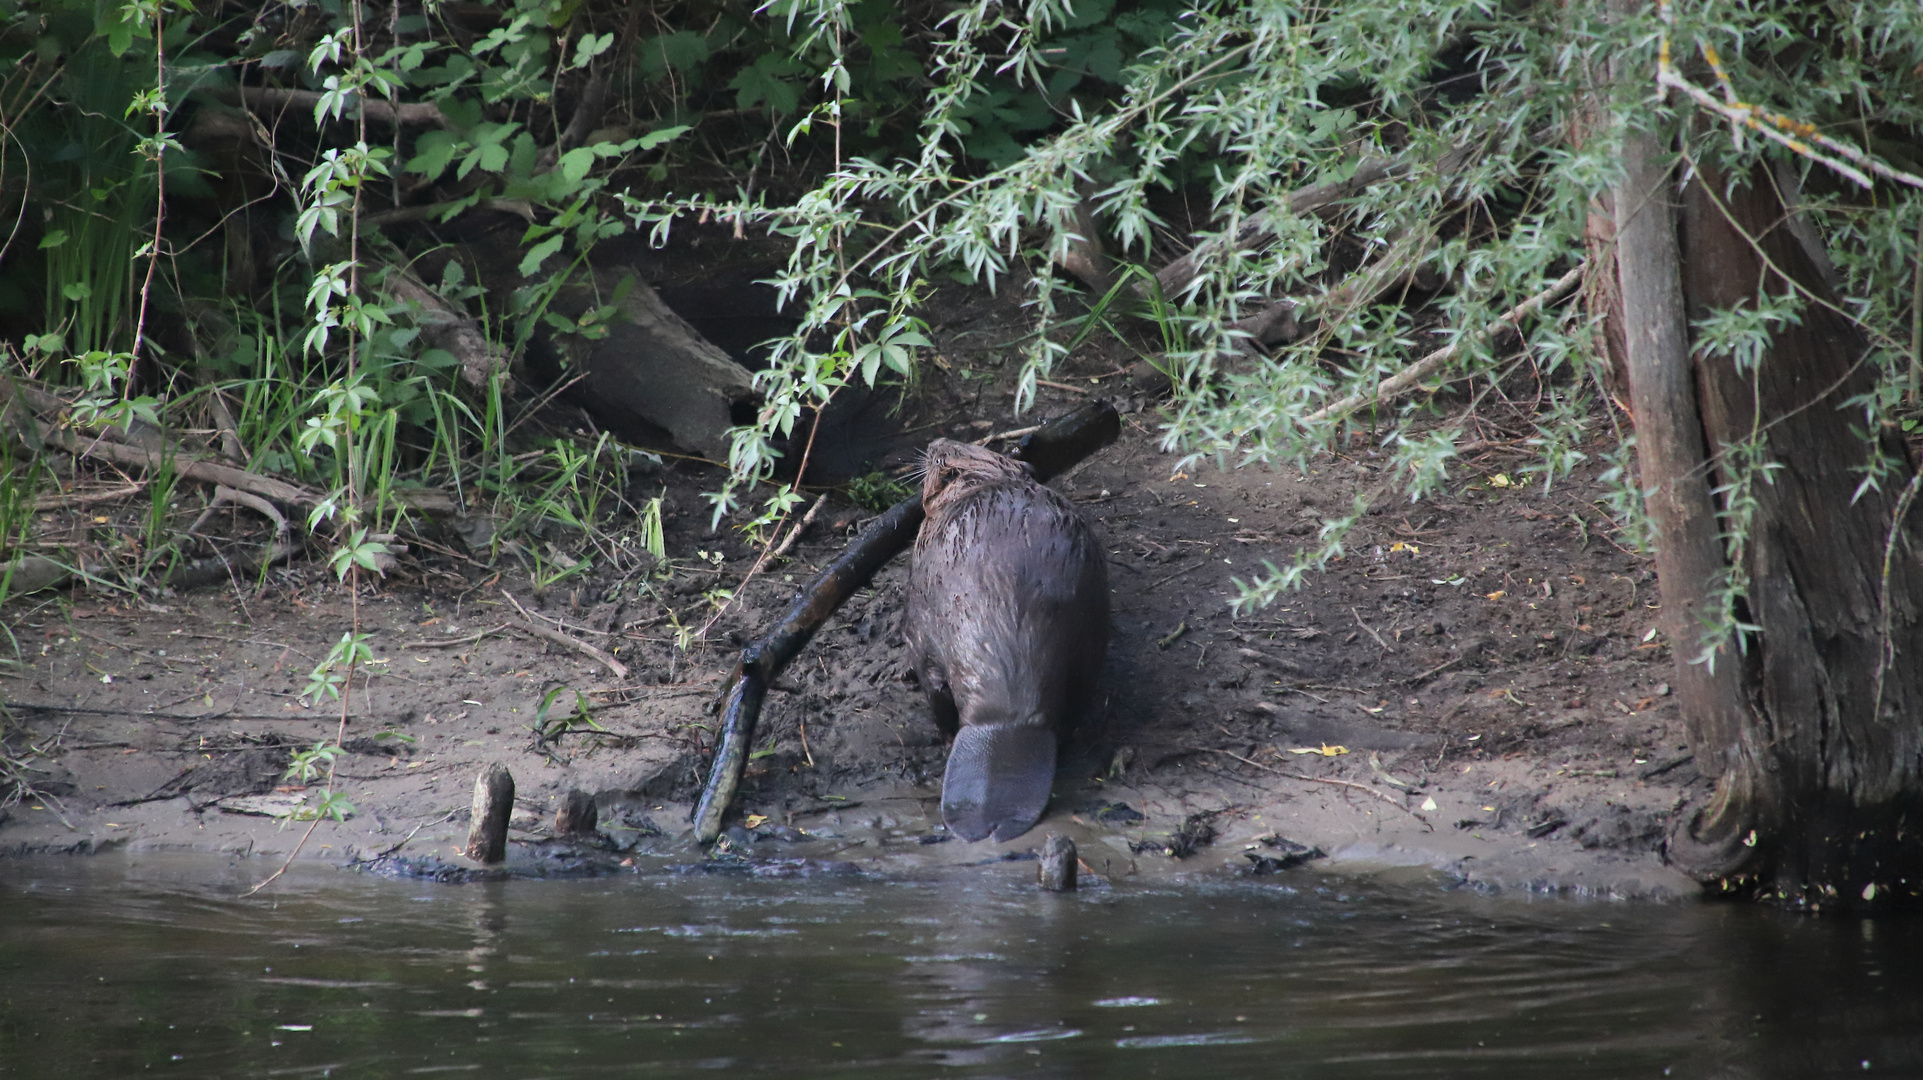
<point>123,966</point>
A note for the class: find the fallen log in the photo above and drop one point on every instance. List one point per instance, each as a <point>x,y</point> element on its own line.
<point>1050,450</point>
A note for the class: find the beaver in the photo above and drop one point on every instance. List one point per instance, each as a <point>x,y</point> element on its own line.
<point>1007,627</point>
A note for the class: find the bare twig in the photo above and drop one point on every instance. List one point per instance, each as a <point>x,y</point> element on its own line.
<point>1015,433</point>
<point>531,627</point>
<point>1386,647</point>
<point>1434,671</point>
<point>451,642</point>
<point>1366,789</point>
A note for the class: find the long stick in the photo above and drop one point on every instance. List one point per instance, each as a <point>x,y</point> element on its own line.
<point>1051,450</point>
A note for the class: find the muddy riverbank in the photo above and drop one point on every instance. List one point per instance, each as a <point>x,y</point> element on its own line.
<point>1474,688</point>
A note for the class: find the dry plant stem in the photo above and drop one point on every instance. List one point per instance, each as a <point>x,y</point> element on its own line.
<point>160,197</point>
<point>1395,385</point>
<point>1386,647</point>
<point>1883,592</point>
<point>1058,445</point>
<point>1366,789</point>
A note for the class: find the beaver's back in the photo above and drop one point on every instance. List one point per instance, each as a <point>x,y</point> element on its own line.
<point>1007,626</point>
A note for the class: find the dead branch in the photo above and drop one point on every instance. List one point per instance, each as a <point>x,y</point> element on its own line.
<point>230,445</point>
<point>807,519</point>
<point>620,669</point>
<point>1051,450</point>
<point>446,327</point>
<point>1083,254</point>
<point>1393,386</point>
<point>78,498</point>
<point>412,114</point>
<point>206,472</point>
<point>251,501</point>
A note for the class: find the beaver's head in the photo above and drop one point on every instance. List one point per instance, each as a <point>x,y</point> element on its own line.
<point>951,471</point>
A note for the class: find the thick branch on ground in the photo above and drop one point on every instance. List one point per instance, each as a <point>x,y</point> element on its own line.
<point>1051,450</point>
<point>652,367</point>
<point>1409,377</point>
<point>444,326</point>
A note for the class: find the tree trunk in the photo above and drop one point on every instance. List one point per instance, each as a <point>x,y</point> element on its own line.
<point>1811,725</point>
<point>1834,676</point>
<point>1671,457</point>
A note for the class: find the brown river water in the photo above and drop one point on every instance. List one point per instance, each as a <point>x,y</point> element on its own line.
<point>150,965</point>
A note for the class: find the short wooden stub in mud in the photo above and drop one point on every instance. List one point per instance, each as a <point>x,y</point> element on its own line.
<point>493,802</point>
<point>576,815</point>
<point>1057,873</point>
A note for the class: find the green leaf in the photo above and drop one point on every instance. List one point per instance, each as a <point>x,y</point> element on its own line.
<point>655,138</point>
<point>538,254</point>
<point>120,38</point>
<point>589,47</point>
<point>53,239</point>
<point>764,83</point>
<point>683,50</point>
<point>432,153</point>
<point>493,158</point>
<point>576,163</point>
<point>77,291</point>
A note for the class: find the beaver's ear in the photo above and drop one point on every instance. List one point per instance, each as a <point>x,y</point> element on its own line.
<point>949,474</point>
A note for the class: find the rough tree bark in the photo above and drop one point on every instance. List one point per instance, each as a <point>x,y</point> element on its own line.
<point>1812,730</point>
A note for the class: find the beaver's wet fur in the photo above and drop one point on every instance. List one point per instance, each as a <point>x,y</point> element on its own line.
<point>1007,626</point>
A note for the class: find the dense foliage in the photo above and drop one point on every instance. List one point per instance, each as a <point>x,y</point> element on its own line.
<point>239,186</point>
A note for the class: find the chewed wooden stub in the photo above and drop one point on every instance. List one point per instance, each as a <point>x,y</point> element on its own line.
<point>1058,861</point>
<point>493,802</point>
<point>576,815</point>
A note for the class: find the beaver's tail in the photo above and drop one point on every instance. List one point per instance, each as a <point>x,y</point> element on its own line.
<point>998,780</point>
